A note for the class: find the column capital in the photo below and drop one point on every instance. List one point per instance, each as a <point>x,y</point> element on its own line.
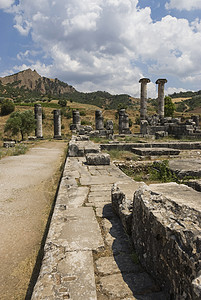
<point>161,81</point>
<point>144,80</point>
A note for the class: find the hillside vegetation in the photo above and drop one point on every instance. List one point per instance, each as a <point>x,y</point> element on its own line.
<point>28,86</point>
<point>191,104</point>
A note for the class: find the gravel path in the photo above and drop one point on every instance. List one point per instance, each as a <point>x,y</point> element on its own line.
<point>27,188</point>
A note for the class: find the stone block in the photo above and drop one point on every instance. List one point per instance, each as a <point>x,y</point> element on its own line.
<point>98,159</point>
<point>155,151</point>
<point>186,167</point>
<point>161,134</point>
<point>165,232</point>
<point>9,144</point>
<point>75,150</point>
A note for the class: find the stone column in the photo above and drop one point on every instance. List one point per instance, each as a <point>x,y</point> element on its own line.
<point>161,104</point>
<point>76,121</point>
<point>99,120</point>
<point>39,122</point>
<point>76,117</point>
<point>143,98</point>
<point>123,122</point>
<point>57,124</point>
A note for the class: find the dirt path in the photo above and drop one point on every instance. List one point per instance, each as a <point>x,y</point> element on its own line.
<point>27,187</point>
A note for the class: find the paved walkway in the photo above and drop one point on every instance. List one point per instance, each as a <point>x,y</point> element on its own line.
<point>27,189</point>
<point>87,254</point>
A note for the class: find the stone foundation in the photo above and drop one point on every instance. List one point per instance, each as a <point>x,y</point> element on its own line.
<point>165,223</point>
<point>166,234</point>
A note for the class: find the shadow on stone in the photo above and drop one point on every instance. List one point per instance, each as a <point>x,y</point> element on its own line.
<point>127,278</point>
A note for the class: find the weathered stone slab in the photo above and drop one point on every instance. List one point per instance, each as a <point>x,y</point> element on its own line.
<point>119,263</point>
<point>94,180</point>
<point>119,286</point>
<point>77,275</point>
<point>105,211</point>
<point>179,193</point>
<point>74,197</point>
<point>155,151</point>
<point>91,148</point>
<point>95,199</point>
<point>101,187</point>
<point>186,167</point>
<point>115,236</point>
<point>79,230</point>
<point>98,159</point>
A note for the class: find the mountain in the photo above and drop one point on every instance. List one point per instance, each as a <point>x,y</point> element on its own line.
<point>31,80</point>
<point>28,86</point>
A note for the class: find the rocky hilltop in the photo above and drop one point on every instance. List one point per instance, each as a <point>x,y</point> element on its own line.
<point>33,81</point>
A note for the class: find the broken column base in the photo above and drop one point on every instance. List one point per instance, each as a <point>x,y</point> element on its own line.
<point>98,159</point>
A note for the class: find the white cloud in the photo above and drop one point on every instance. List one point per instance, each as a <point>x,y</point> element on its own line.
<point>183,4</point>
<point>4,4</point>
<point>172,90</point>
<point>98,44</point>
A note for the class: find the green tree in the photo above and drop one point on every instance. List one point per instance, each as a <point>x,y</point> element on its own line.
<point>62,102</point>
<point>20,122</point>
<point>7,107</point>
<point>169,107</point>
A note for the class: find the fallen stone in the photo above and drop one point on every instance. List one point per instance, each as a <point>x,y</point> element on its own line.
<point>8,144</point>
<point>75,150</point>
<point>98,159</point>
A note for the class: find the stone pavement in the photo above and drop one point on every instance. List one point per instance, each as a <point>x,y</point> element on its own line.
<point>87,255</point>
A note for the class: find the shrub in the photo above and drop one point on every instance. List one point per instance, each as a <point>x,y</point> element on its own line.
<point>62,102</point>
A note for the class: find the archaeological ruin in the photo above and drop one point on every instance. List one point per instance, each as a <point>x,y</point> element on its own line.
<point>57,124</point>
<point>38,117</point>
<point>159,125</point>
<point>112,237</point>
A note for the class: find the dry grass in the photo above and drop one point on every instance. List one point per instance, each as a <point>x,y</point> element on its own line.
<point>177,100</point>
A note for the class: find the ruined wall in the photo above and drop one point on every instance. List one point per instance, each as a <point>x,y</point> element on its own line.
<point>166,235</point>
<point>172,145</point>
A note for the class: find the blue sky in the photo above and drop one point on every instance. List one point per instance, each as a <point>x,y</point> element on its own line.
<point>104,44</point>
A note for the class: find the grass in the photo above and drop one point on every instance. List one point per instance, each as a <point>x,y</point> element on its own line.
<point>121,155</point>
<point>14,151</point>
<point>99,140</point>
<point>155,172</point>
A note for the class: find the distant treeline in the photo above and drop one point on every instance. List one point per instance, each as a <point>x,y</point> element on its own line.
<point>101,99</point>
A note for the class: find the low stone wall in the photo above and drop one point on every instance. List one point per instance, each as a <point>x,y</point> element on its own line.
<point>166,234</point>
<point>172,145</point>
